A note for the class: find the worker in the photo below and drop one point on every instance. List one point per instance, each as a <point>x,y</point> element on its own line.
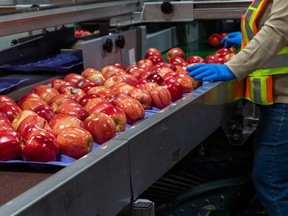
<point>263,62</point>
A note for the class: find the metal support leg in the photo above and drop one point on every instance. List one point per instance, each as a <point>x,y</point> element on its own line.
<point>143,207</point>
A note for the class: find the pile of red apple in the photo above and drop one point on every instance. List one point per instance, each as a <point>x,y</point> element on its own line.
<point>68,115</point>
<point>81,33</point>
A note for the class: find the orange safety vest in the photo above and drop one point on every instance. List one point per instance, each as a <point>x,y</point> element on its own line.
<point>259,83</point>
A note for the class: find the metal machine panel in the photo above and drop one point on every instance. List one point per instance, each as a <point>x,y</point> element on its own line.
<point>95,56</point>
<point>39,19</point>
<point>173,132</point>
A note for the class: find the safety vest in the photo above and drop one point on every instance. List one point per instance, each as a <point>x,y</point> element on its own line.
<point>259,83</point>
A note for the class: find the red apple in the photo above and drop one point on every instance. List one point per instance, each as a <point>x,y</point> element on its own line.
<point>57,83</point>
<point>72,78</point>
<point>73,108</point>
<point>194,59</point>
<point>119,65</point>
<point>80,83</point>
<point>101,126</point>
<point>87,85</point>
<point>5,98</point>
<point>75,93</point>
<point>132,108</point>
<point>142,96</point>
<point>214,40</point>
<point>93,102</point>
<point>152,52</point>
<point>58,99</point>
<point>62,120</point>
<point>223,35</point>
<point>130,68</point>
<point>177,60</point>
<point>38,87</point>
<point>32,123</point>
<point>164,64</point>
<point>210,59</point>
<point>10,145</point>
<point>154,77</point>
<point>142,73</point>
<point>11,110</point>
<point>122,87</point>
<point>97,78</point>
<point>44,111</point>
<point>110,81</point>
<point>185,81</point>
<point>75,141</point>
<point>100,106</point>
<point>165,70</point>
<point>140,82</point>
<point>106,70</point>
<point>78,33</point>
<point>226,53</point>
<point>128,78</point>
<point>174,87</point>
<point>175,51</point>
<point>182,69</point>
<point>19,118</point>
<point>160,96</point>
<point>147,62</point>
<point>84,100</point>
<point>169,75</point>
<point>102,91</point>
<point>40,146</point>
<point>118,97</point>
<point>88,71</point>
<point>155,59</point>
<point>5,127</point>
<point>4,121</point>
<point>29,101</point>
<point>118,116</point>
<point>110,71</point>
<point>57,103</point>
<point>46,94</point>
<point>86,33</point>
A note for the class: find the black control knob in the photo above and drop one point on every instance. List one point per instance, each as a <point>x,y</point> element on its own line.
<point>120,41</point>
<point>108,45</point>
<point>14,42</point>
<point>166,7</point>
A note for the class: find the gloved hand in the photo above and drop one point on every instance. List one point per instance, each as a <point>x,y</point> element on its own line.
<point>210,72</point>
<point>233,39</point>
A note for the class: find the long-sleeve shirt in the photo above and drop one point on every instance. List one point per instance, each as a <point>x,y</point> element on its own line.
<point>270,39</point>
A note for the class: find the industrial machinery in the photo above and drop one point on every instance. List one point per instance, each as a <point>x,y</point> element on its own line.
<point>119,177</point>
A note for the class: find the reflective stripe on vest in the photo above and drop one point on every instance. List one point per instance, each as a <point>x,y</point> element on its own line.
<point>259,83</point>
<point>258,90</point>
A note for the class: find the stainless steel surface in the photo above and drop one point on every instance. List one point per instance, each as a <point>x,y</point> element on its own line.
<point>184,11</point>
<point>35,20</point>
<point>225,9</point>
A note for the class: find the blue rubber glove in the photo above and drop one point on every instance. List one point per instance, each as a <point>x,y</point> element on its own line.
<point>210,72</point>
<point>233,39</point>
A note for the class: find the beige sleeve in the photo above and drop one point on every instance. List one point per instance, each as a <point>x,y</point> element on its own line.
<point>271,38</point>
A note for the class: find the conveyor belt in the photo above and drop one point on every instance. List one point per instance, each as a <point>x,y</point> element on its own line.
<point>130,160</point>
